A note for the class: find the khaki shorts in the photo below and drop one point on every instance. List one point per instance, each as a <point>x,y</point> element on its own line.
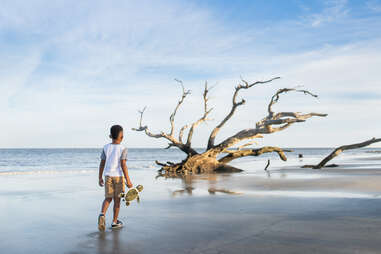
<point>114,185</point>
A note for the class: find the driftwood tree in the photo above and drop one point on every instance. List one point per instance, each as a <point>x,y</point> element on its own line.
<point>339,150</point>
<point>216,156</point>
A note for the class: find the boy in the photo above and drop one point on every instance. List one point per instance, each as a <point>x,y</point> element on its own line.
<point>113,165</point>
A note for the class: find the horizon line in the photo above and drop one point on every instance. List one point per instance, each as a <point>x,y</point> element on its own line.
<point>296,147</point>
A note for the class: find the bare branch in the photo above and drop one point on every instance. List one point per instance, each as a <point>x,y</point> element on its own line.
<point>170,136</point>
<point>181,133</point>
<point>247,144</point>
<point>172,139</point>
<point>172,117</point>
<point>160,163</point>
<point>235,104</point>
<point>145,128</point>
<point>202,119</point>
<point>273,122</point>
<point>275,97</point>
<point>235,154</point>
<point>278,119</point>
<point>141,112</point>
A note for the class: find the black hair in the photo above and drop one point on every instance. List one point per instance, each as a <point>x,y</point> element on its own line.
<point>114,131</point>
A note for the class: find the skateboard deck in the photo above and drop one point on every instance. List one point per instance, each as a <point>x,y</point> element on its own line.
<point>131,195</point>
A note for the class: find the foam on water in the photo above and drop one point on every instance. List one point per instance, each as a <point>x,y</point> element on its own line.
<point>36,172</point>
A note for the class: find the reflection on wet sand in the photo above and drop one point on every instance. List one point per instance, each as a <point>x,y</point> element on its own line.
<point>213,191</point>
<point>187,190</point>
<point>286,181</point>
<point>105,242</point>
<point>101,242</point>
<point>189,180</point>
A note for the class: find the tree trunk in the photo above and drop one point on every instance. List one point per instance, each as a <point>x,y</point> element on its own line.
<point>197,164</point>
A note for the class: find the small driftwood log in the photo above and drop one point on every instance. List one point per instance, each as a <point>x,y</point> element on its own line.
<point>267,165</point>
<point>338,151</point>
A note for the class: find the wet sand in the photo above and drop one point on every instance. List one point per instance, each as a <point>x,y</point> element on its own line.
<point>289,210</point>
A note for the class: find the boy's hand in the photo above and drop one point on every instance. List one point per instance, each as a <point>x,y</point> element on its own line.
<point>101,182</point>
<point>129,184</point>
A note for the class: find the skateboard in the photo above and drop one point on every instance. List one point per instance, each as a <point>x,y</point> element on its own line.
<point>131,195</point>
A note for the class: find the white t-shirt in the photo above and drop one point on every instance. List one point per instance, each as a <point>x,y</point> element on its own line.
<point>113,154</point>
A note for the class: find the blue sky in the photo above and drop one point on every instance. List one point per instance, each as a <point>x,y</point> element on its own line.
<point>70,69</point>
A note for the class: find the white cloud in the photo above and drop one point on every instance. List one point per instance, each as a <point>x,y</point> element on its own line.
<point>374,6</point>
<point>334,10</point>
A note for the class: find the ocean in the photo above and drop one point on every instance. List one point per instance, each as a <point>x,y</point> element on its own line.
<point>30,161</point>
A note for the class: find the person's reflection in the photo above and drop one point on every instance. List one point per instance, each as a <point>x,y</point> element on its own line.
<point>102,242</point>
<point>104,245</point>
<point>115,240</point>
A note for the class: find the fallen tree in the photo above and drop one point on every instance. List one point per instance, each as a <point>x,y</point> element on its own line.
<point>210,160</point>
<point>338,151</point>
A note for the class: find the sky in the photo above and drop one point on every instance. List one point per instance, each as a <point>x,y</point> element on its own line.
<point>71,69</point>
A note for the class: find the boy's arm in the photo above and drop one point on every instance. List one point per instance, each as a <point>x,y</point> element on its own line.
<point>101,169</point>
<point>125,172</point>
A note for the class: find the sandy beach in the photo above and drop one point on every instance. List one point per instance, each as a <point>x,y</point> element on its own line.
<point>285,210</point>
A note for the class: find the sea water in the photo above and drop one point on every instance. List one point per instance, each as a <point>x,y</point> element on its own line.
<point>69,160</point>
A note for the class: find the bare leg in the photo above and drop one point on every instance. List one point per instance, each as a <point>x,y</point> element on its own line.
<point>105,205</point>
<point>116,209</point>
